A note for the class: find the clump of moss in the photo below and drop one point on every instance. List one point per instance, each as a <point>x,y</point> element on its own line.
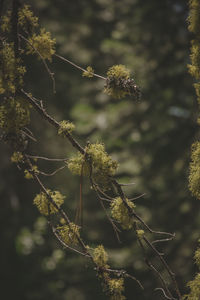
<point>95,160</point>
<point>120,213</point>
<point>45,206</point>
<point>41,43</point>
<point>28,174</point>
<point>116,288</point>
<point>194,286</point>
<point>69,233</point>
<point>194,176</point>
<point>194,17</point>
<point>100,256</point>
<point>197,257</point>
<point>26,18</point>
<point>11,70</point>
<point>65,127</point>
<point>17,157</point>
<point>14,114</point>
<point>89,72</point>
<point>119,84</point>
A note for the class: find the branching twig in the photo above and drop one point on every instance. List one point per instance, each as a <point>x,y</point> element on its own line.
<point>53,173</point>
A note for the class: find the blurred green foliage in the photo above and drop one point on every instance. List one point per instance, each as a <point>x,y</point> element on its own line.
<point>150,138</point>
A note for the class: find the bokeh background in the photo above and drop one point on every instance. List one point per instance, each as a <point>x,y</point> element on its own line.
<point>150,138</point>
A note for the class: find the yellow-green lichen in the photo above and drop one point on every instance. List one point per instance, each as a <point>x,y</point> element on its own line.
<point>116,287</point>
<point>194,17</point>
<point>26,18</point>
<point>6,22</point>
<point>140,233</point>
<point>17,157</point>
<point>120,212</point>
<point>42,45</point>
<point>28,174</point>
<point>119,84</point>
<point>14,114</point>
<point>69,233</point>
<point>11,70</point>
<point>194,286</point>
<point>197,257</point>
<point>45,205</point>
<point>194,67</point>
<point>65,127</point>
<point>95,161</point>
<point>89,72</point>
<point>194,175</point>
<point>100,256</point>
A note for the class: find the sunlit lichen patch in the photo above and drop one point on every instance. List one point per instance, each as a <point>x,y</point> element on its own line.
<point>120,213</point>
<point>95,162</point>
<point>45,205</point>
<point>119,84</point>
<point>42,45</point>
<point>69,233</point>
<point>100,256</point>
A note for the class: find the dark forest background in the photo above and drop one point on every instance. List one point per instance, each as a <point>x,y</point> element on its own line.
<point>151,138</point>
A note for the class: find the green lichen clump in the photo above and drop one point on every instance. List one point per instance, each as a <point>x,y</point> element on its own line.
<point>100,256</point>
<point>11,70</point>
<point>65,127</point>
<point>26,20</point>
<point>120,213</point>
<point>194,17</point>
<point>17,157</point>
<point>116,288</point>
<point>28,173</point>
<point>194,176</point>
<point>95,160</point>
<point>14,114</point>
<point>89,72</point>
<point>194,67</point>
<point>45,206</point>
<point>140,233</point>
<point>194,27</point>
<point>69,233</point>
<point>113,286</point>
<point>42,45</point>
<point>194,286</point>
<point>197,257</point>
<point>119,84</point>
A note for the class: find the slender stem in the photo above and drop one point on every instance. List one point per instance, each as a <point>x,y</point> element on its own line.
<point>52,121</point>
<point>78,67</point>
<point>46,158</point>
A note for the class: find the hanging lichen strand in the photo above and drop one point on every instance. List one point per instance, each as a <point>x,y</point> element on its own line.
<point>194,176</point>
<point>194,69</point>
<point>21,36</point>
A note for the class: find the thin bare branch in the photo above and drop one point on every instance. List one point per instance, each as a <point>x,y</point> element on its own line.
<point>53,173</point>
<point>46,158</point>
<point>78,67</point>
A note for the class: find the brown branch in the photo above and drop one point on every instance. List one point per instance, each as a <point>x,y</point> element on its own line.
<point>46,158</point>
<point>53,173</point>
<point>51,120</point>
